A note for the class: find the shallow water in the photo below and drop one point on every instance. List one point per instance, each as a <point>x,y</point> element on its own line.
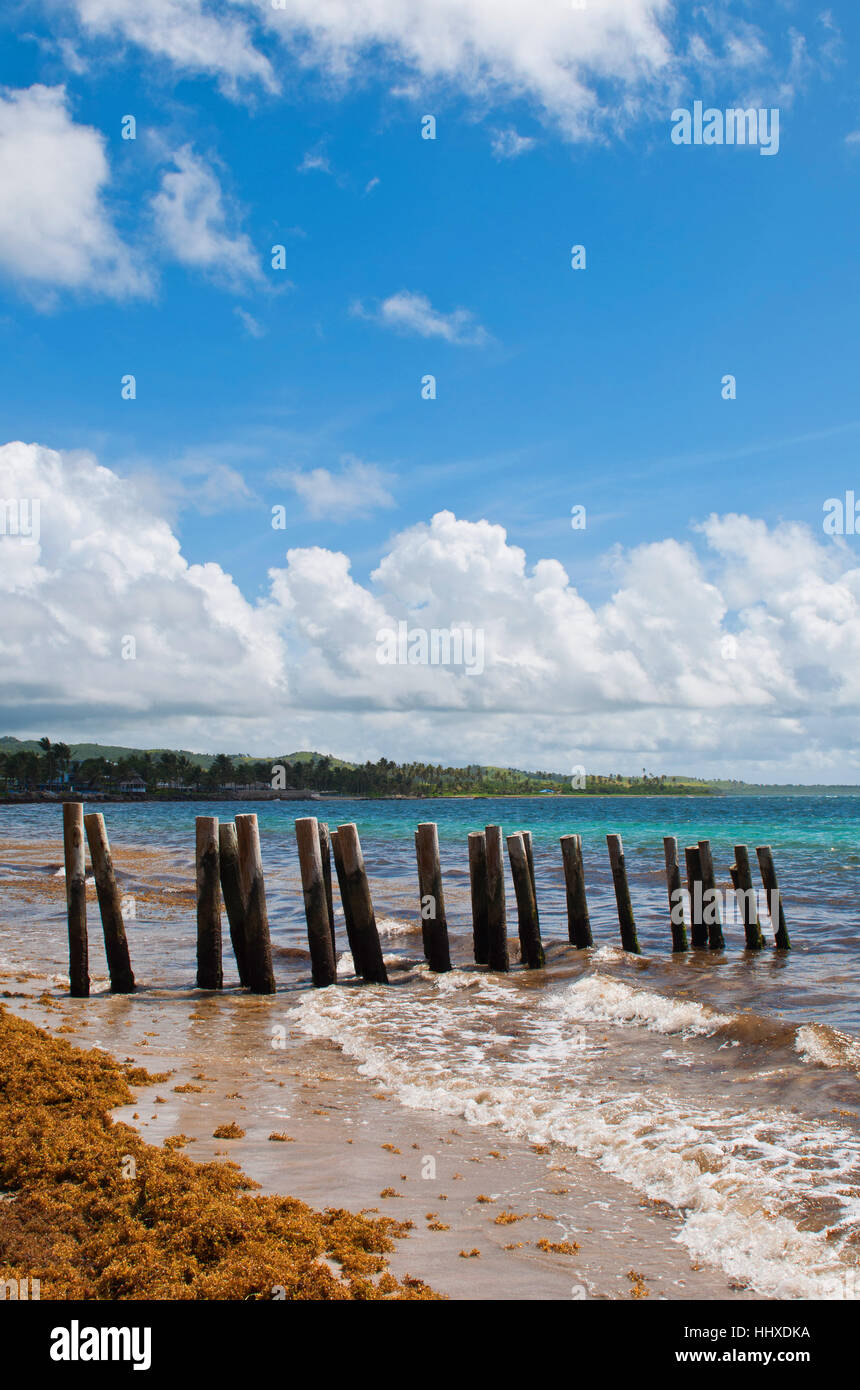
<point>722,1083</point>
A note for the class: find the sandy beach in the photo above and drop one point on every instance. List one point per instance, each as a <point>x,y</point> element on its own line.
<point>491,1216</point>
<point>497,1220</point>
<point>370,1098</point>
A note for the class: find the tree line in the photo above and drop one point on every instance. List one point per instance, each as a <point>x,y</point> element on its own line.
<point>168,772</point>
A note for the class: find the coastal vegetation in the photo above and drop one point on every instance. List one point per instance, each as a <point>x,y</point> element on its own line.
<point>31,766</point>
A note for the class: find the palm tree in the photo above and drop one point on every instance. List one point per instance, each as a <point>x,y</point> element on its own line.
<point>45,744</point>
<point>63,754</point>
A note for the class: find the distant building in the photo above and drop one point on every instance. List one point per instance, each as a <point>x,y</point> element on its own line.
<point>134,784</point>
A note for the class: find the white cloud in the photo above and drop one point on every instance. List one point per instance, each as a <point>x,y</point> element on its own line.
<point>546,51</point>
<point>314,161</point>
<point>106,568</point>
<point>252,326</point>
<point>55,231</point>
<point>509,144</point>
<point>194,221</point>
<point>642,676</point>
<point>356,491</point>
<point>411,312</point>
<point>586,71</point>
<point>214,40</point>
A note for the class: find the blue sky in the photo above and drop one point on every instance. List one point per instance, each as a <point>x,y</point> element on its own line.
<point>554,387</point>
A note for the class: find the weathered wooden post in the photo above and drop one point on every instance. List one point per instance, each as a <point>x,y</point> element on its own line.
<point>351,934</point>
<point>325,856</point>
<point>258,946</point>
<point>676,893</point>
<point>354,884</point>
<point>626,921</point>
<point>116,943</point>
<point>323,967</point>
<point>430,884</point>
<point>709,892</point>
<point>231,891</point>
<point>698,930</point>
<point>742,879</point>
<point>423,893</point>
<point>771,887</point>
<point>578,925</point>
<point>530,856</point>
<point>209,968</point>
<point>480,906</point>
<point>74,854</point>
<point>497,926</point>
<point>531,947</point>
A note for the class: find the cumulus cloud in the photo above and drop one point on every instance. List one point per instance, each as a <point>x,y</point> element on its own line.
<point>587,70</point>
<point>197,226</point>
<point>410,312</point>
<point>213,41</point>
<point>737,651</point>
<point>561,58</point>
<point>106,568</point>
<point>55,230</point>
<point>551,53</point>
<point>357,490</point>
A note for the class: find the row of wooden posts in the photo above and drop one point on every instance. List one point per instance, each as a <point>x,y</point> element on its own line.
<point>229,866</point>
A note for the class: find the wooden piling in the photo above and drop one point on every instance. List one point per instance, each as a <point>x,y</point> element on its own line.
<point>357,893</point>
<point>325,857</point>
<point>423,892</point>
<point>323,968</point>
<point>675,891</point>
<point>626,920</point>
<point>578,925</point>
<point>742,879</point>
<point>771,887</point>
<point>116,943</point>
<point>351,935</point>
<point>709,891</point>
<point>74,853</point>
<point>209,968</point>
<point>430,883</point>
<point>258,946</point>
<point>531,948</point>
<point>480,906</point>
<point>231,891</point>
<point>497,926</point>
<point>530,856</point>
<point>698,930</point>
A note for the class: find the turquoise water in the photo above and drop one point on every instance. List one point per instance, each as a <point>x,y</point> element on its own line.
<point>815,842</point>
<point>793,824</point>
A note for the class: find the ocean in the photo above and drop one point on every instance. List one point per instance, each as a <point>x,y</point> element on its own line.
<point>721,1084</point>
